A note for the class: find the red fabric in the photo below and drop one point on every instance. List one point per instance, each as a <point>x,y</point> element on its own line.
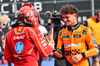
<point>22,44</point>
<point>31,13</point>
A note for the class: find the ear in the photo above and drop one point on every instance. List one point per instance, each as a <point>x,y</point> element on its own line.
<point>75,15</point>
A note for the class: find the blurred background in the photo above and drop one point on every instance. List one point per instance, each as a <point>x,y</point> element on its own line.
<point>86,8</point>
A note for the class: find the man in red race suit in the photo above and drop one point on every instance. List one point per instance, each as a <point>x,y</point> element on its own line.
<point>23,41</point>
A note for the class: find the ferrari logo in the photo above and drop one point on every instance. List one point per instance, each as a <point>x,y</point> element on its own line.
<point>20,28</point>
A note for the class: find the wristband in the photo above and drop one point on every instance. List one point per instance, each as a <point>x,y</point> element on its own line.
<point>83,54</point>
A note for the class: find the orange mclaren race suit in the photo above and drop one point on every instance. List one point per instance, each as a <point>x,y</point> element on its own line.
<point>22,44</point>
<point>78,40</point>
<point>95,26</point>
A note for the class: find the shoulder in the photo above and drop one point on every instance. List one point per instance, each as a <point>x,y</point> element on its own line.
<point>85,28</point>
<point>35,30</point>
<point>10,31</point>
<point>90,19</point>
<point>62,31</point>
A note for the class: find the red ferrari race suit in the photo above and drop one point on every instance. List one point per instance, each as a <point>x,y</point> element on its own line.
<point>78,41</point>
<point>22,44</point>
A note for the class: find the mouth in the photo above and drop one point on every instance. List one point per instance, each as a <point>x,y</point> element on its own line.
<point>66,22</point>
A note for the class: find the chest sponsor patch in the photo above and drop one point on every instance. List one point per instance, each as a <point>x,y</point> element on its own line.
<point>77,36</point>
<point>19,47</point>
<point>65,37</point>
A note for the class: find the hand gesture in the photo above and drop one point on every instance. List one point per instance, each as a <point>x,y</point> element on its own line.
<point>76,58</point>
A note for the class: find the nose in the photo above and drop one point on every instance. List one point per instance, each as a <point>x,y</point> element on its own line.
<point>64,19</point>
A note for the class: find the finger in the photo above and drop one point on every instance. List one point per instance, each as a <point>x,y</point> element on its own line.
<point>74,60</point>
<point>47,40</point>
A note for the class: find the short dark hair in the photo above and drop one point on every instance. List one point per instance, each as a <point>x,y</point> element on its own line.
<point>71,9</point>
<point>97,12</point>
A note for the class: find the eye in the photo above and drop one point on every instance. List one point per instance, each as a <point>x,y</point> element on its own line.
<point>64,17</point>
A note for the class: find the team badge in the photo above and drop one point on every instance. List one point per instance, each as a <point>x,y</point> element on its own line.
<point>20,28</point>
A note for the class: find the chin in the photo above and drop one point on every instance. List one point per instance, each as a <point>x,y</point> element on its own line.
<point>68,24</point>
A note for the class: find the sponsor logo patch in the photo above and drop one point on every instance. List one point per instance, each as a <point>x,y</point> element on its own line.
<point>96,46</point>
<point>60,33</point>
<point>65,37</point>
<point>77,36</point>
<point>94,40</point>
<point>19,47</point>
<point>92,34</point>
<point>84,32</point>
<point>93,37</point>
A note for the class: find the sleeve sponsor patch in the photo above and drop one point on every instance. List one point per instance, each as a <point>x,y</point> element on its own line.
<point>92,34</point>
<point>94,42</point>
<point>93,39</point>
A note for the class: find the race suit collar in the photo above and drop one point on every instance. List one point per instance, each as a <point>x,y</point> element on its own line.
<point>74,27</point>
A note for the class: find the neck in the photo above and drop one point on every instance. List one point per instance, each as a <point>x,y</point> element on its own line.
<point>74,23</point>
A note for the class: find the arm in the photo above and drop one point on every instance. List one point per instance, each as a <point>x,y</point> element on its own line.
<point>45,32</point>
<point>7,53</point>
<point>58,51</point>
<point>42,46</point>
<point>91,42</point>
<point>93,50</point>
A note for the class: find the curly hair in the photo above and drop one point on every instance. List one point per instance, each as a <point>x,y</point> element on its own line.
<point>71,9</point>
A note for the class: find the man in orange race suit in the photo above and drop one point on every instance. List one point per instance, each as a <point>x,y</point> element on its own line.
<point>23,41</point>
<point>79,42</point>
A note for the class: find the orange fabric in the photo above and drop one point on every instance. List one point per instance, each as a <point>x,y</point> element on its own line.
<point>75,43</point>
<point>95,28</point>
